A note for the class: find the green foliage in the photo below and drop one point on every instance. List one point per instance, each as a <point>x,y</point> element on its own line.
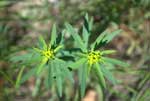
<point>19,77</point>
<point>45,59</point>
<point>21,24</point>
<point>76,37</point>
<point>90,58</point>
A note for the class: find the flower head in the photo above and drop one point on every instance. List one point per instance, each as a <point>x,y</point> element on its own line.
<point>93,57</point>
<point>48,53</point>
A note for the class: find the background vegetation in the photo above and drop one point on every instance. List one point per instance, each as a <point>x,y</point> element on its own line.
<point>22,21</point>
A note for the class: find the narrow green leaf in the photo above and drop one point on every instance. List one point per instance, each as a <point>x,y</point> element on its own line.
<point>68,74</point>
<point>49,79</point>
<point>109,37</point>
<point>65,71</point>
<point>79,54</point>
<point>62,37</point>
<point>108,74</point>
<point>76,37</point>
<point>37,50</point>
<point>42,44</point>
<point>104,37</point>
<point>19,77</point>
<point>100,75</point>
<point>87,17</point>
<point>30,73</point>
<point>58,48</point>
<point>83,83</point>
<point>27,58</point>
<point>115,62</point>
<point>22,57</point>
<point>85,36</point>
<point>98,40</point>
<point>77,64</point>
<point>82,78</point>
<point>89,68</point>
<point>37,87</point>
<point>100,92</point>
<point>35,58</point>
<point>90,24</point>
<point>53,35</point>
<point>105,52</point>
<point>40,67</point>
<point>59,79</point>
<point>59,85</point>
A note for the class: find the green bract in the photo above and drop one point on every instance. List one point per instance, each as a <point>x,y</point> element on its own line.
<point>90,58</point>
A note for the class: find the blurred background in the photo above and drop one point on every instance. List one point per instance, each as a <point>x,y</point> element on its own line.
<point>22,21</point>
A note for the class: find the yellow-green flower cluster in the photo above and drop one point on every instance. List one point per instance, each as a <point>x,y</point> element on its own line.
<point>93,57</point>
<point>48,53</point>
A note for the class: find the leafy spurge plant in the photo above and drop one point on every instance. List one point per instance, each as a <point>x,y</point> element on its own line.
<point>49,65</point>
<point>46,61</point>
<point>90,58</point>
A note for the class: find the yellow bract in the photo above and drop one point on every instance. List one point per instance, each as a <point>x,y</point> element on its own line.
<point>48,53</point>
<point>93,57</point>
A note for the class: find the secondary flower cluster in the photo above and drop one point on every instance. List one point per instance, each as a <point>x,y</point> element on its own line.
<point>94,56</point>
